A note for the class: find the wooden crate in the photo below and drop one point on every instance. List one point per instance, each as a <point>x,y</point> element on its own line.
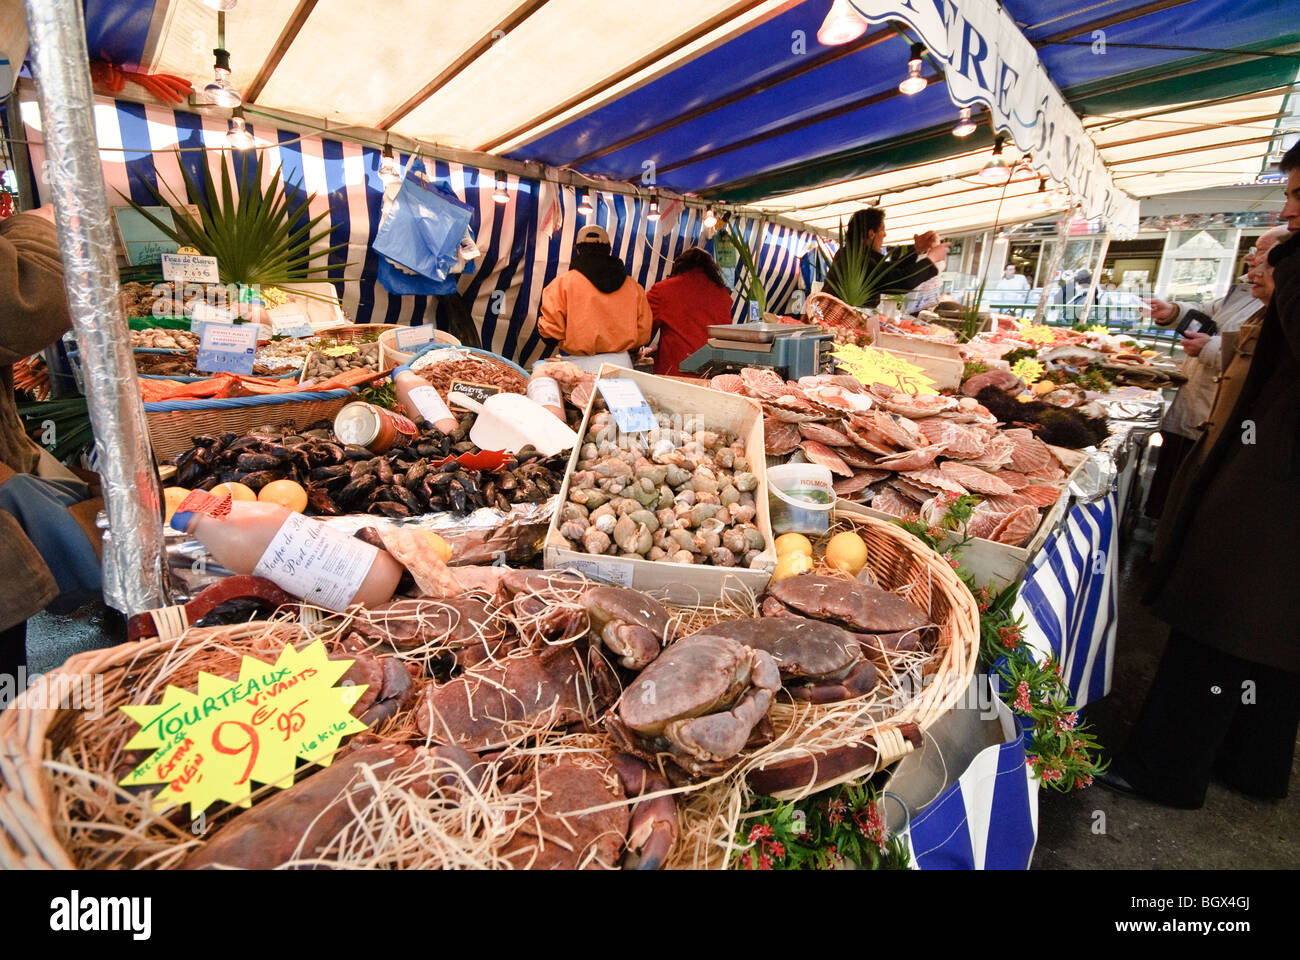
<point>681,583</point>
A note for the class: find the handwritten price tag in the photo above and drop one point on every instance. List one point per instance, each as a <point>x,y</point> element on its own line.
<point>291,324</point>
<point>227,348</point>
<point>627,404</point>
<point>408,338</point>
<point>187,268</point>
<point>870,365</point>
<point>212,745</point>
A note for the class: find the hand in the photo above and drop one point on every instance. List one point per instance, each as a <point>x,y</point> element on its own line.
<point>923,242</point>
<point>647,352</point>
<point>938,253</point>
<point>1194,343</point>
<point>1161,311</point>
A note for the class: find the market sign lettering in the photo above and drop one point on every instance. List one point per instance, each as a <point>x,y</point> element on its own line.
<point>211,745</point>
<point>988,60</point>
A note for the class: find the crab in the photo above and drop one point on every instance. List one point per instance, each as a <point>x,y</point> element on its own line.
<point>700,701</point>
<point>471,629</point>
<point>884,621</point>
<point>564,828</point>
<point>631,625</point>
<point>818,661</point>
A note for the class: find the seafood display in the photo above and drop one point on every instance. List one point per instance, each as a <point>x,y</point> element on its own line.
<point>160,339</point>
<point>908,455</point>
<point>338,478</point>
<point>441,367</point>
<point>673,493</point>
<point>331,360</point>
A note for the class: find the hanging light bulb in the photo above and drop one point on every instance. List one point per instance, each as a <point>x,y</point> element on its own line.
<point>585,208</point>
<point>997,171</point>
<point>389,171</point>
<point>964,126</point>
<point>653,214</point>
<point>237,135</point>
<point>501,194</point>
<point>1042,201</point>
<point>221,5</point>
<point>843,24</point>
<point>710,221</point>
<point>914,83</point>
<point>220,92</point>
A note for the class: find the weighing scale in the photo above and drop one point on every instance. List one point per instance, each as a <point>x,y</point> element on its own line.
<point>792,350</point>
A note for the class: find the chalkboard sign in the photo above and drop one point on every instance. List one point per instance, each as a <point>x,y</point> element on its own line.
<point>476,391</point>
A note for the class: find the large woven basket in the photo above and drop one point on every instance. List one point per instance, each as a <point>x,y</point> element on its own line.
<point>172,423</point>
<point>37,727</point>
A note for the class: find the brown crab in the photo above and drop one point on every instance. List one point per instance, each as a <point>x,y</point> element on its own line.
<point>470,628</point>
<point>631,625</point>
<point>885,621</point>
<point>565,829</point>
<point>700,701</point>
<point>819,661</point>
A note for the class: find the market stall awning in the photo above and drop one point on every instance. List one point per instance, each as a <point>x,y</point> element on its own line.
<point>739,102</point>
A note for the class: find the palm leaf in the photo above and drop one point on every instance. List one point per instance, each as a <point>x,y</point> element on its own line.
<point>755,285</point>
<point>251,230</point>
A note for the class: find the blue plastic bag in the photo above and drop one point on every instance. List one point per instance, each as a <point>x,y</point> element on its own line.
<point>423,230</point>
<point>403,284</point>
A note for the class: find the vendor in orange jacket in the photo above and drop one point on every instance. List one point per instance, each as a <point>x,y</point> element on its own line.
<point>595,312</point>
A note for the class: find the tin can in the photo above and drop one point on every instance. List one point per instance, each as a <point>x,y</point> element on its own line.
<point>372,427</point>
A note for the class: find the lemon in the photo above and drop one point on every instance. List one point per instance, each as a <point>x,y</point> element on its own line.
<point>440,546</point>
<point>847,552</point>
<point>172,497</point>
<point>793,543</point>
<point>237,491</point>
<point>791,565</point>
<point>287,493</point>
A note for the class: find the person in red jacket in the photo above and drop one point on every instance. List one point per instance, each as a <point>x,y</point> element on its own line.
<point>692,298</point>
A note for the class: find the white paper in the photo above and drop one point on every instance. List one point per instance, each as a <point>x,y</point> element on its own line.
<point>322,566</point>
<point>609,571</point>
<point>291,325</point>
<point>428,403</point>
<point>545,391</point>
<point>628,404</point>
<point>410,337</point>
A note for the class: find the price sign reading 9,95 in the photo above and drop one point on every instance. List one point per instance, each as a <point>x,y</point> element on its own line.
<point>212,744</point>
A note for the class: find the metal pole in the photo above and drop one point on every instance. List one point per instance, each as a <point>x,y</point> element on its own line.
<point>133,554</point>
<point>1058,257</point>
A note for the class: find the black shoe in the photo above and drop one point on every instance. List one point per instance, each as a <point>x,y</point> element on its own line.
<point>1117,784</point>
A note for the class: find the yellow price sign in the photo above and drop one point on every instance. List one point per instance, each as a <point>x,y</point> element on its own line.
<point>1037,334</point>
<point>210,745</point>
<point>339,351</point>
<point>870,365</point>
<point>1028,369</point>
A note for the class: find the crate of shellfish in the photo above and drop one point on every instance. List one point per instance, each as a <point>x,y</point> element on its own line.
<point>679,511</point>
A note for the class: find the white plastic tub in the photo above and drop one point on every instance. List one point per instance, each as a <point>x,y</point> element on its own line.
<point>800,497</point>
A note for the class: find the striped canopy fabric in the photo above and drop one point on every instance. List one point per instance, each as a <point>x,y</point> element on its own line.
<point>525,243</point>
<point>1068,599</point>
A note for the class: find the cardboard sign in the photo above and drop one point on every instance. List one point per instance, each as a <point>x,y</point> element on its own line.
<point>476,391</point>
<point>870,365</point>
<point>627,404</point>
<point>211,745</point>
<point>186,268</point>
<point>409,338</point>
<point>227,348</point>
<point>291,325</point>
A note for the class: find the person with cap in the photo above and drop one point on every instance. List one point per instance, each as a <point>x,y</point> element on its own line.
<point>595,312</point>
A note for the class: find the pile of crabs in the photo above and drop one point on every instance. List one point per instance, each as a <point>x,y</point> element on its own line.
<point>907,455</point>
<point>466,696</point>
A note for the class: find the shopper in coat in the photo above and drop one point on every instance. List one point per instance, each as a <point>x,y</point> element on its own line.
<point>1226,698</point>
<point>1186,416</point>
<point>685,304</point>
<point>595,312</point>
<point>907,266</point>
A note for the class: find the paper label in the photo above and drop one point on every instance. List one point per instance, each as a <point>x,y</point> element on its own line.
<point>227,348</point>
<point>292,325</point>
<point>627,404</point>
<point>211,745</point>
<point>186,268</point>
<point>476,391</point>
<point>342,350</point>
<point>546,391</point>
<point>313,561</point>
<point>408,338</point>
<point>428,404</point>
<point>609,571</point>
<point>870,365</point>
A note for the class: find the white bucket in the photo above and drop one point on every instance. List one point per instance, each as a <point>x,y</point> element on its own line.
<point>800,498</point>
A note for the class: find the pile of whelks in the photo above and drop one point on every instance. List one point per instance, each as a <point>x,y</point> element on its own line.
<point>494,659</point>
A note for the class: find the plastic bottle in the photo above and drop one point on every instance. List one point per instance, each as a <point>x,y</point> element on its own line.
<point>421,401</point>
<point>546,391</point>
<point>300,555</point>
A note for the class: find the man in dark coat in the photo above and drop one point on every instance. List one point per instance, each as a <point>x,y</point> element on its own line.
<point>1226,698</point>
<point>904,267</point>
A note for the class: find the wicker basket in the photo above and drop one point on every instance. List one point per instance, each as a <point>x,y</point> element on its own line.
<point>174,422</point>
<point>824,308</point>
<point>35,729</point>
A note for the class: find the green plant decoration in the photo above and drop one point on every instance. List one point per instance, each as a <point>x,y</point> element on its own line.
<point>754,286</point>
<point>249,230</point>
